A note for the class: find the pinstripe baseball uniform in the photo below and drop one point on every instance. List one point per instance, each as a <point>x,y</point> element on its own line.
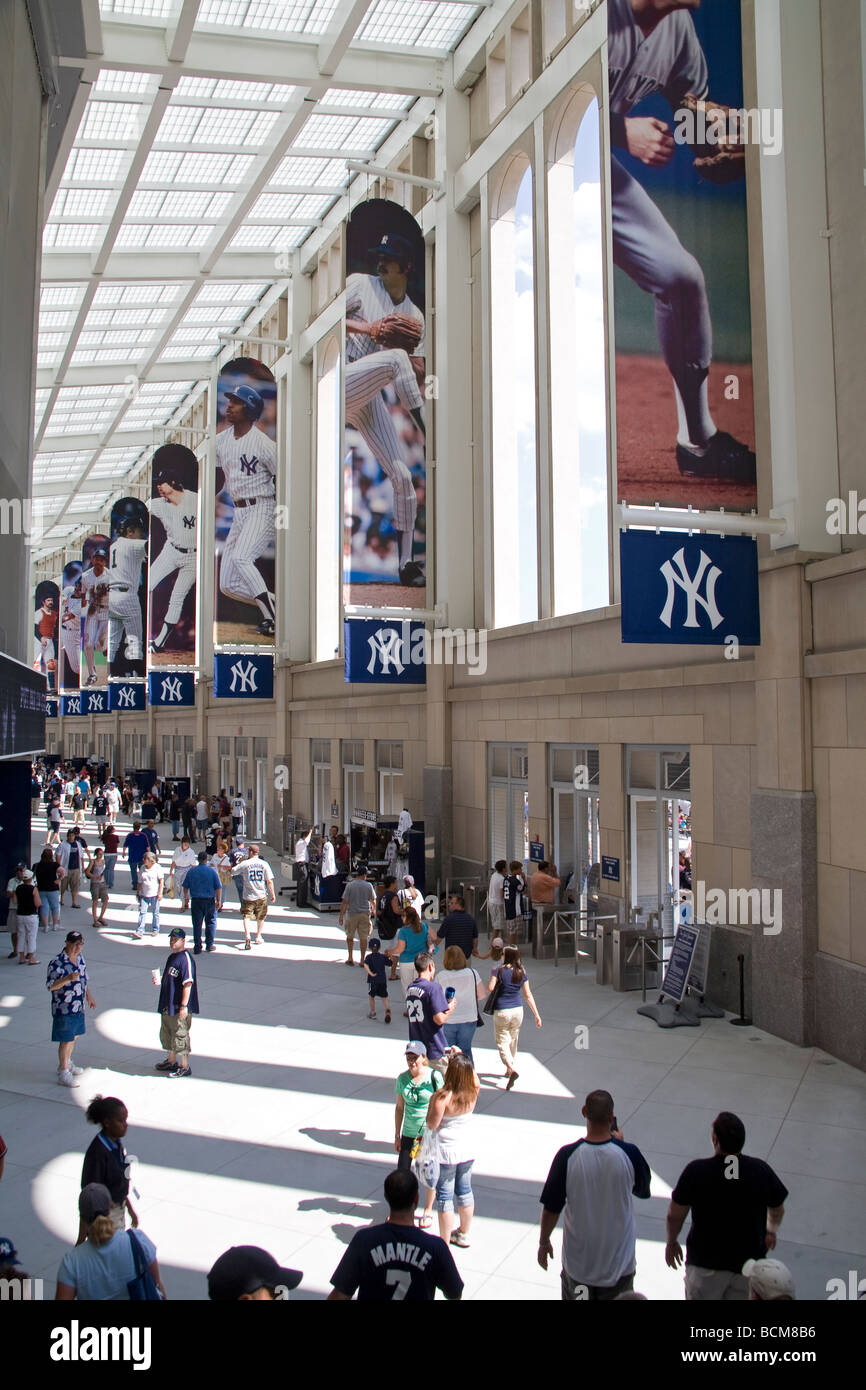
<point>369,369</point>
<point>95,588</point>
<point>249,463</point>
<point>123,603</point>
<point>70,625</point>
<point>178,554</point>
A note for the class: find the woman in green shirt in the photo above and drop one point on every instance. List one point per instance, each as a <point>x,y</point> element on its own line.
<point>413,1090</point>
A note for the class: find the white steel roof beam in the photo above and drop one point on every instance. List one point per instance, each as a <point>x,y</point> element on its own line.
<point>341,31</point>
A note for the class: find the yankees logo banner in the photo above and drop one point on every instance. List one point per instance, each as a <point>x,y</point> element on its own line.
<point>94,613</point>
<point>70,704</point>
<point>51,707</point>
<point>171,688</point>
<point>127,589</point>
<point>241,676</point>
<point>384,653</point>
<point>385,392</point>
<point>246,463</point>
<point>126,695</point>
<point>173,508</point>
<point>697,591</point>
<point>685,423</point>
<point>70,628</point>
<point>94,701</point>
<point>46,649</point>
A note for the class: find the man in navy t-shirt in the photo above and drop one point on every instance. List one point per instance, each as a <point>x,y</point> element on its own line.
<point>135,847</point>
<point>396,1260</point>
<point>593,1181</point>
<point>427,1009</point>
<point>458,928</point>
<point>205,900</point>
<point>178,1001</point>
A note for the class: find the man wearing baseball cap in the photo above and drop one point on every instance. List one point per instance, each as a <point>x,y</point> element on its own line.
<point>178,1001</point>
<point>246,1273</point>
<point>769,1281</point>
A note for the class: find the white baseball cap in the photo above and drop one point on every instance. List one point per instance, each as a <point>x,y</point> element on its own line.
<point>769,1279</point>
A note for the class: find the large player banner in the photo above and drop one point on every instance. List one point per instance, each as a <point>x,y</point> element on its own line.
<point>685,424</point>
<point>70,628</point>
<point>94,612</point>
<point>46,654</point>
<point>384,488</point>
<point>128,592</point>
<point>246,461</point>
<point>172,557</point>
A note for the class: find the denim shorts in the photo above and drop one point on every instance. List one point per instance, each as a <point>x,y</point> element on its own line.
<point>66,1027</point>
<point>50,903</point>
<point>455,1183</point>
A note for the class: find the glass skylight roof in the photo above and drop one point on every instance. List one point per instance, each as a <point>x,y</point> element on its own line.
<point>159,303</point>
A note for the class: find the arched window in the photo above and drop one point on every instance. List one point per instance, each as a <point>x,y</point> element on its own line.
<point>328,535</point>
<point>513,452</point>
<point>579,477</point>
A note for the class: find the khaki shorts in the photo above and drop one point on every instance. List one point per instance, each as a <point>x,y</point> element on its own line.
<point>255,907</point>
<point>71,881</point>
<point>357,922</point>
<point>174,1033</point>
<point>99,890</point>
<point>715,1285</point>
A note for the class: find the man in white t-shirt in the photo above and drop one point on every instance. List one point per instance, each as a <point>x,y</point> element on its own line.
<point>112,796</point>
<point>239,815</point>
<point>257,885</point>
<point>496,898</point>
<point>593,1181</point>
<point>183,859</point>
<point>201,818</point>
<point>302,867</point>
<point>149,892</point>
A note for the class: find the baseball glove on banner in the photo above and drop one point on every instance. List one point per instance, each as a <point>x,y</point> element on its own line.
<point>396,330</point>
<point>722,157</point>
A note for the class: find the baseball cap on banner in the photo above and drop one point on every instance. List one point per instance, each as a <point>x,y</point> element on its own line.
<point>248,397</point>
<point>399,248</point>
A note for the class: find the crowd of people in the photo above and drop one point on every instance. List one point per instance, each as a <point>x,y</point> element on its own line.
<point>591,1182</point>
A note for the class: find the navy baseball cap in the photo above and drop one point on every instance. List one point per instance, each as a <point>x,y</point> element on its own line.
<point>101,550</point>
<point>246,1268</point>
<point>399,248</point>
<point>8,1253</point>
<point>176,931</point>
<point>248,396</point>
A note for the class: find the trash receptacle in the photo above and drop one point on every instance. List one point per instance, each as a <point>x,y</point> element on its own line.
<point>626,961</point>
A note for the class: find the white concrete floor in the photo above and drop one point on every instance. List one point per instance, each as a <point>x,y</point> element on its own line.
<point>283,1136</point>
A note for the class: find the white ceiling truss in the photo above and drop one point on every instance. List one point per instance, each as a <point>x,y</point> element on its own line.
<point>207,138</point>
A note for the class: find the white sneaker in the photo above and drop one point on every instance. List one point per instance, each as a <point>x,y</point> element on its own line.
<point>75,1071</point>
<point>66,1078</point>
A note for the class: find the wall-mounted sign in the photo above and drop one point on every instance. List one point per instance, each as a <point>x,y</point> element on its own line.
<point>610,867</point>
<point>243,676</point>
<point>536,852</point>
<point>699,590</point>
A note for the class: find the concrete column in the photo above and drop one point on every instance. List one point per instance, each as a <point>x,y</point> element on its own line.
<point>294,555</point>
<point>437,778</point>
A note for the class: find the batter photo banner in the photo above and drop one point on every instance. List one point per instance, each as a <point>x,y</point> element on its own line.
<point>128,590</point>
<point>685,425</point>
<point>46,633</point>
<point>94,612</point>
<point>246,463</point>
<point>384,470</point>
<point>173,508</point>
<point>70,628</point>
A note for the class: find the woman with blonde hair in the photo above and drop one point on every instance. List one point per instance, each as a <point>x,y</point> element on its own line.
<point>466,983</point>
<point>449,1117</point>
<point>409,942</point>
<point>108,1261</point>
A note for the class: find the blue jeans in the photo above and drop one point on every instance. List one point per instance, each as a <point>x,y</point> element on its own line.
<point>175,828</point>
<point>203,910</point>
<point>110,861</point>
<point>239,886</point>
<point>461,1035</point>
<point>134,870</point>
<point>153,905</point>
<point>454,1182</point>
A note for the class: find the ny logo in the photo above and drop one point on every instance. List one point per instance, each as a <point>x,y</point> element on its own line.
<point>189,523</point>
<point>170,690</point>
<point>73,705</point>
<point>95,702</point>
<point>690,588</point>
<point>247,677</point>
<point>248,466</point>
<point>126,697</point>
<point>387,644</point>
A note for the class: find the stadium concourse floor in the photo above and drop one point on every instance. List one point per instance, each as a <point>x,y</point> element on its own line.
<point>283,1136</point>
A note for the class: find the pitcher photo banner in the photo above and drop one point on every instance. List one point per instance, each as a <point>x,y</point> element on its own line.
<point>70,628</point>
<point>245,536</point>
<point>385,375</point>
<point>172,555</point>
<point>94,612</point>
<point>128,593</point>
<point>685,422</point>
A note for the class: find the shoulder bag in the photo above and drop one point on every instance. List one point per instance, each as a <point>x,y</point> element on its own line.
<point>143,1287</point>
<point>490,1001</point>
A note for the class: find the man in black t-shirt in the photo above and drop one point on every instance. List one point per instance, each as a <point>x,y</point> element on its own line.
<point>389,919</point>
<point>458,928</point>
<point>737,1204</point>
<point>178,1001</point>
<point>396,1260</point>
